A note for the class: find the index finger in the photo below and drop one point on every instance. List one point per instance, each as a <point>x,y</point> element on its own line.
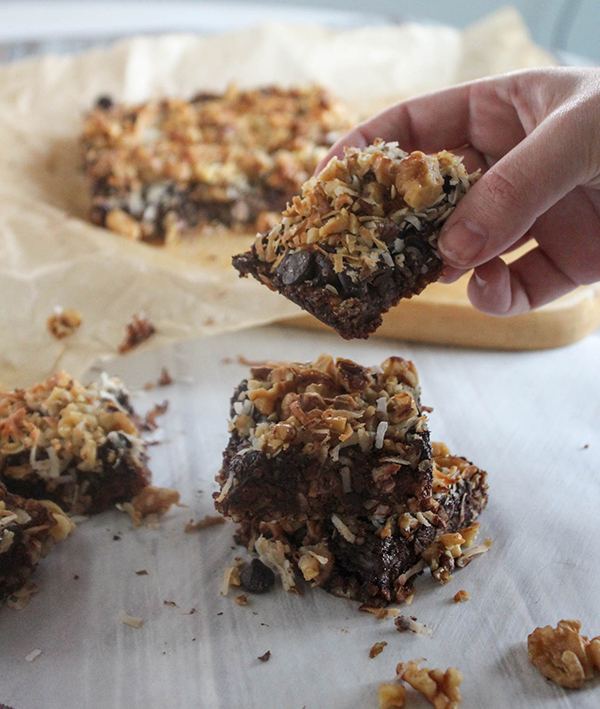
<point>431,122</point>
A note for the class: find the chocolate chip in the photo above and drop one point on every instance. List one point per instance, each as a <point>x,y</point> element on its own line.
<point>105,102</point>
<point>356,289</point>
<point>325,270</point>
<point>256,577</point>
<point>296,267</point>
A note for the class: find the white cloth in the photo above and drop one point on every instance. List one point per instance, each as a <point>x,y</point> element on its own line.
<point>524,417</point>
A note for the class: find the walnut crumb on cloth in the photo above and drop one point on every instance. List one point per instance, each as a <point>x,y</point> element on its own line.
<point>563,655</point>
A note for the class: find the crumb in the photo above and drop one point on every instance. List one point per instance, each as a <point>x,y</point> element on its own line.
<point>150,420</point>
<point>221,613</point>
<point>136,332</point>
<point>149,501</point>
<point>377,649</point>
<point>76,577</point>
<point>63,323</point>
<point>32,655</point>
<point>209,321</point>
<point>404,623</point>
<point>586,446</point>
<point>165,378</point>
<point>242,600</point>
<point>19,599</point>
<point>379,613</point>
<point>116,537</point>
<point>441,689</point>
<point>191,612</point>
<point>265,624</point>
<point>462,597</point>
<point>266,657</point>
<point>193,639</point>
<point>130,620</point>
<point>171,604</point>
<point>240,359</point>
<point>143,572</point>
<point>227,360</point>
<point>208,521</point>
<point>231,577</point>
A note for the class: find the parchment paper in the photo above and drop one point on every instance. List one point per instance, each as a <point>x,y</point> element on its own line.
<point>50,256</point>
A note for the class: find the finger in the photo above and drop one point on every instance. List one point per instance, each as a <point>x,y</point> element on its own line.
<point>479,113</point>
<point>533,280</point>
<point>504,204</point>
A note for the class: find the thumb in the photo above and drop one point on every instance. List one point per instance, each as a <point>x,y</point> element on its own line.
<point>503,205</point>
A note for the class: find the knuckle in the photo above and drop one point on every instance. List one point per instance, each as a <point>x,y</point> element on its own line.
<point>503,192</point>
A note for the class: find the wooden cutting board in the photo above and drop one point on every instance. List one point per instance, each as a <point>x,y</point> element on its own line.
<point>443,315</point>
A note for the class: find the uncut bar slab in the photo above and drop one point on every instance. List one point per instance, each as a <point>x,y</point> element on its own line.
<point>232,159</point>
<point>322,438</point>
<point>362,235</point>
<point>77,446</point>
<point>28,530</point>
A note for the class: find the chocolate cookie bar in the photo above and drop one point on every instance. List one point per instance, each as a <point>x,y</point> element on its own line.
<point>232,159</point>
<point>362,236</point>
<point>326,438</point>
<point>28,530</point>
<point>330,470</point>
<point>77,446</point>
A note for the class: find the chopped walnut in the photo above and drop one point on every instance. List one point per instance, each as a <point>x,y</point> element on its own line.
<point>453,550</point>
<point>562,654</point>
<point>208,521</point>
<point>391,696</point>
<point>231,577</point>
<point>377,649</point>
<point>461,597</point>
<point>242,599</point>
<point>63,323</point>
<point>150,501</point>
<point>379,613</point>
<point>441,689</point>
<point>136,332</point>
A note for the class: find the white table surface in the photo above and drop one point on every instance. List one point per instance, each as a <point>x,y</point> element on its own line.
<point>524,417</point>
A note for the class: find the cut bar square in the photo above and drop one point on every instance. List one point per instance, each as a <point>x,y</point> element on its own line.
<point>77,446</point>
<point>362,235</point>
<point>330,469</point>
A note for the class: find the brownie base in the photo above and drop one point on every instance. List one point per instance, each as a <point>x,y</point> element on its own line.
<point>353,308</point>
<point>371,572</point>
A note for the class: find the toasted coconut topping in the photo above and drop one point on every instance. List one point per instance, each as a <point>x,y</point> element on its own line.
<point>327,405</point>
<point>48,429</point>
<point>273,554</point>
<point>130,620</point>
<point>216,148</point>
<point>150,501</point>
<point>357,210</point>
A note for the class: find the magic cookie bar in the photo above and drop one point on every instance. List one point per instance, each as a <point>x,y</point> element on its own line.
<point>329,469</point>
<point>159,167</point>
<point>77,446</point>
<point>28,530</point>
<point>362,236</point>
<point>325,438</point>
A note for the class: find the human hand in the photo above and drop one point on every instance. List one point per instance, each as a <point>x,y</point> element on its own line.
<point>535,135</point>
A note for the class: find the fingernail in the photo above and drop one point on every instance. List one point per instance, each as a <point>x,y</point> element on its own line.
<point>462,242</point>
<point>479,280</point>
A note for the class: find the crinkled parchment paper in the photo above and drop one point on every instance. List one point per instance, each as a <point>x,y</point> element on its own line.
<point>50,256</point>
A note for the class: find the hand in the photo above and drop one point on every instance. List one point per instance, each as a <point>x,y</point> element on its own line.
<point>535,135</point>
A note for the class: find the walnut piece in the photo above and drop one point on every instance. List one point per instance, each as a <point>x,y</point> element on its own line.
<point>563,655</point>
<point>377,649</point>
<point>391,696</point>
<point>208,521</point>
<point>64,322</point>
<point>150,501</point>
<point>441,689</point>
<point>462,596</point>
